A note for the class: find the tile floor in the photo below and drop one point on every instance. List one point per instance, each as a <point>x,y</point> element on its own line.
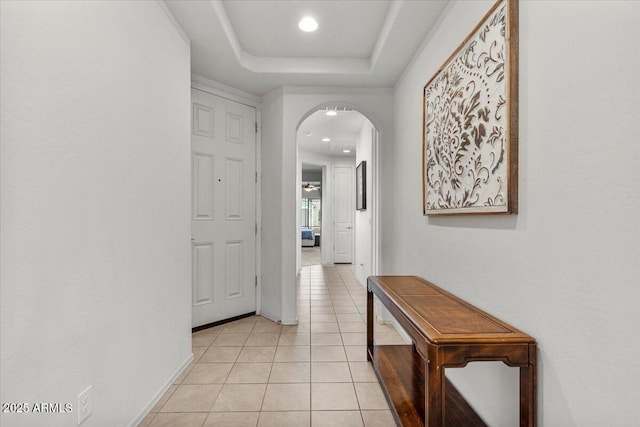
<point>311,255</point>
<point>254,372</point>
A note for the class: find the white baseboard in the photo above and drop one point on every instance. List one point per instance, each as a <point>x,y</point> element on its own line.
<point>137,420</point>
<point>289,322</point>
<point>268,316</point>
<point>405,336</point>
<point>275,319</point>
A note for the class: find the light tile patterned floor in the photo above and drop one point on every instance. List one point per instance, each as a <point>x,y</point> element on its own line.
<point>254,372</point>
<point>311,256</point>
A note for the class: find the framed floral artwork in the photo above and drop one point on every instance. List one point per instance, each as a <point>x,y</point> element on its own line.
<point>470,122</point>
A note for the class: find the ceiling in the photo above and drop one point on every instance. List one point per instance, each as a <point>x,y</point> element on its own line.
<point>256,46</point>
<point>343,129</point>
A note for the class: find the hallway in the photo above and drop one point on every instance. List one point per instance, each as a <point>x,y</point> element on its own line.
<point>253,372</point>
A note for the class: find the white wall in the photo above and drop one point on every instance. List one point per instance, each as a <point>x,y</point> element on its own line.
<point>295,104</point>
<point>565,269</point>
<point>95,248</point>
<point>271,205</point>
<point>364,219</point>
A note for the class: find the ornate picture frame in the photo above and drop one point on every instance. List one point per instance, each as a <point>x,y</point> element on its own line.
<point>470,122</point>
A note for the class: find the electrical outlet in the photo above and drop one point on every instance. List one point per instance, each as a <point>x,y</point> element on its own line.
<point>85,404</point>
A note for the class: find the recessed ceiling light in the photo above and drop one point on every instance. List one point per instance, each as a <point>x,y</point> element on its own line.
<point>326,139</point>
<point>308,24</point>
<point>331,113</point>
<point>346,151</point>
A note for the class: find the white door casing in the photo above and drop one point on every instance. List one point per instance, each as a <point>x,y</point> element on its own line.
<point>343,206</point>
<point>223,221</point>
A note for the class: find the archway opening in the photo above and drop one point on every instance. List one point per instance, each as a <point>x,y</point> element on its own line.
<point>337,151</point>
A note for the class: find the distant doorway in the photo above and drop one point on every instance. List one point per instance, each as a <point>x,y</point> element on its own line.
<point>311,207</point>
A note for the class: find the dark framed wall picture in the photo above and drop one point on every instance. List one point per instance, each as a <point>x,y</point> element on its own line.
<point>470,122</point>
<point>361,186</point>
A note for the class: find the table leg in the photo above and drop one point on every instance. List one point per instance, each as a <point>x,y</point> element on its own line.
<point>528,391</point>
<point>369,325</point>
<point>435,387</point>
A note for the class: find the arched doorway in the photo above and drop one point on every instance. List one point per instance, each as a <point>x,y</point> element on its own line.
<point>339,142</point>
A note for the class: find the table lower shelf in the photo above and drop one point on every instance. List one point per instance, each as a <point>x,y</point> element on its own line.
<point>400,369</point>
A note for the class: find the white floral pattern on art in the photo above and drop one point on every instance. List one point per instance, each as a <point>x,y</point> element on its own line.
<point>466,124</point>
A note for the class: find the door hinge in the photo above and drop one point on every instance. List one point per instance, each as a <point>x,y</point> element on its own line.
<point>256,230</point>
<point>256,277</point>
<point>256,177</point>
<point>256,127</point>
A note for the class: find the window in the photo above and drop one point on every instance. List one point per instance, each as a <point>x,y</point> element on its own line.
<point>311,213</point>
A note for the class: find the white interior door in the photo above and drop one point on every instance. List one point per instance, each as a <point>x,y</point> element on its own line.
<point>343,214</point>
<point>223,221</point>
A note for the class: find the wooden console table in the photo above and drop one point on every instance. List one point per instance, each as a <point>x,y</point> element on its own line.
<point>446,332</point>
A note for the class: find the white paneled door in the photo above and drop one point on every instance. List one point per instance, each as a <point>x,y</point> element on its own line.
<point>343,206</point>
<point>223,222</point>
